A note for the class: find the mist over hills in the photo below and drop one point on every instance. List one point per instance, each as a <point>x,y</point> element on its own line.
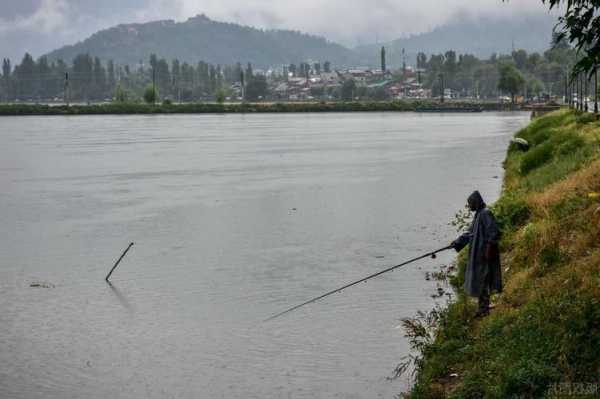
<point>200,38</point>
<point>482,38</point>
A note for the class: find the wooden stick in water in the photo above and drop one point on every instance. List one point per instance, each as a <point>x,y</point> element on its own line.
<point>118,261</point>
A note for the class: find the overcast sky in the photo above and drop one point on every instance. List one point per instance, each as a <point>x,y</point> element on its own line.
<point>39,26</point>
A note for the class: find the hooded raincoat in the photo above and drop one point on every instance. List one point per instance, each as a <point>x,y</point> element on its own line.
<point>481,273</point>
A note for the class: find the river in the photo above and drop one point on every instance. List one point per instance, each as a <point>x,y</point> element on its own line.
<point>234,218</point>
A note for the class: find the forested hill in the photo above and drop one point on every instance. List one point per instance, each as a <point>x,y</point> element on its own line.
<point>480,37</point>
<point>200,38</point>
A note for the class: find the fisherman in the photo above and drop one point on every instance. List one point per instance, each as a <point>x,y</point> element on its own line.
<point>483,273</point>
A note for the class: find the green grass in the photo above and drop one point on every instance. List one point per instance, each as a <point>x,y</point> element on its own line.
<point>544,328</point>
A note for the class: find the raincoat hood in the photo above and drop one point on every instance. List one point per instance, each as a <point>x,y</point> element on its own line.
<point>476,200</point>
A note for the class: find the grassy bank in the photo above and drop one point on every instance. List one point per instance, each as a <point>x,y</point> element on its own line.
<point>542,338</point>
<point>201,108</point>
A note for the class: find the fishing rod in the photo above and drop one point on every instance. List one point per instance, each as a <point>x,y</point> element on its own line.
<point>389,269</point>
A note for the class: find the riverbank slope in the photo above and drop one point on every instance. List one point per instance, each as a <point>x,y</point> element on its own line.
<point>542,337</point>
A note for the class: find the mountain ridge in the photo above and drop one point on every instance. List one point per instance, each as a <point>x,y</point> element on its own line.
<point>481,38</point>
<point>201,38</point>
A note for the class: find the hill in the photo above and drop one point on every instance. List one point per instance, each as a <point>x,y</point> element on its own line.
<point>482,38</point>
<point>200,38</point>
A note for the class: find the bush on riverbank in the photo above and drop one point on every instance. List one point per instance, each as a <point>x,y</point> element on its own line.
<point>118,108</point>
<point>542,337</point>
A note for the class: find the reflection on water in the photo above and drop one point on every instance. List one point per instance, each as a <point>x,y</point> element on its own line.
<point>235,218</point>
<point>120,297</point>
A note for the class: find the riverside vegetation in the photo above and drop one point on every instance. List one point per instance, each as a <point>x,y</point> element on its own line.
<point>542,338</point>
<point>245,107</point>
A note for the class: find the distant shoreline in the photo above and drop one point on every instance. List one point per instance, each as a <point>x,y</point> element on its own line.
<point>270,107</point>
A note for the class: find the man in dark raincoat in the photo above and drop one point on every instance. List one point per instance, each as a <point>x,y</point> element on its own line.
<point>483,272</point>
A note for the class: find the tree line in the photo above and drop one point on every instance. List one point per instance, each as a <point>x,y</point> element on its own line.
<point>88,79</point>
<point>530,74</point>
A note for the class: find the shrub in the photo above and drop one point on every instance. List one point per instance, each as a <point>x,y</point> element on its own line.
<point>120,95</point>
<point>570,144</point>
<point>585,118</point>
<point>511,211</point>
<point>220,96</point>
<point>150,95</point>
<point>536,158</point>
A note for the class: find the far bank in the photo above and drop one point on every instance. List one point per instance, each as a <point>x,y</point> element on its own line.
<point>264,107</point>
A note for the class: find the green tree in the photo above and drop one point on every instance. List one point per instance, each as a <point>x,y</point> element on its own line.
<point>25,77</point>
<point>212,79</point>
<point>6,79</point>
<point>450,69</point>
<point>535,87</point>
<point>81,78</point>
<point>421,60</point>
<point>249,72</point>
<point>511,80</point>
<point>120,94</point>
<point>379,94</point>
<point>163,77</point>
<point>256,88</point>
<point>99,80</point>
<point>348,90</point>
<point>520,58</point>
<point>220,96</point>
<point>150,94</point>
<point>579,25</point>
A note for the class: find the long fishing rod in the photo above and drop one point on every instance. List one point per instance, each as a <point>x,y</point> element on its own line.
<point>429,254</point>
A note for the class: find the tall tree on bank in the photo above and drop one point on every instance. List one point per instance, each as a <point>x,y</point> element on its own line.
<point>511,80</point>
<point>110,69</point>
<point>26,77</point>
<point>256,89</point>
<point>5,85</point>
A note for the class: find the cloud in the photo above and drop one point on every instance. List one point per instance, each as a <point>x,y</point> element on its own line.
<point>48,17</point>
<point>351,20</point>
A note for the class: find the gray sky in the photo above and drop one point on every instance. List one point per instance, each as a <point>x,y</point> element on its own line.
<point>39,26</point>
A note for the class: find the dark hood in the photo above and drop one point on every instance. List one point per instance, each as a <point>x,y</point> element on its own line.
<point>477,200</point>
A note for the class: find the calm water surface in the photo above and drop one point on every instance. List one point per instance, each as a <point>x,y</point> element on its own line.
<point>234,218</point>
